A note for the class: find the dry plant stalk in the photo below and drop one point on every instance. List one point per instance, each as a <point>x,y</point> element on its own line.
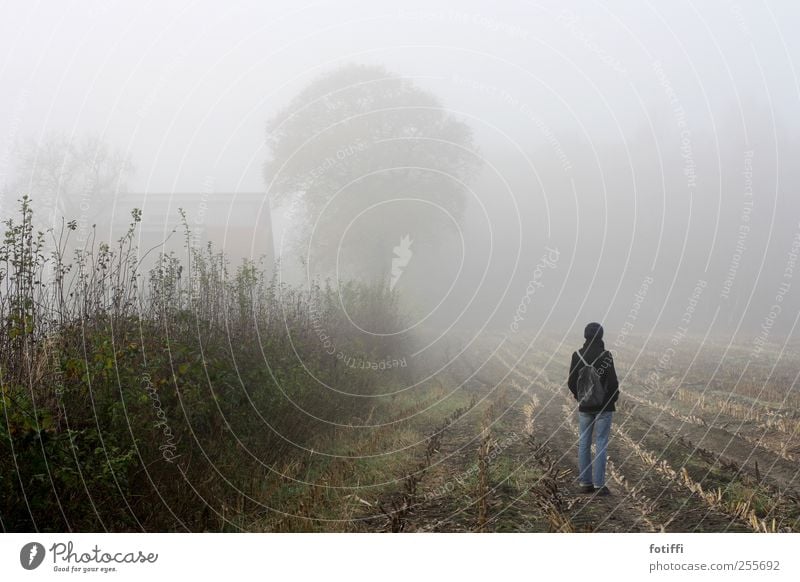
<point>483,479</point>
<point>402,506</point>
<point>715,499</point>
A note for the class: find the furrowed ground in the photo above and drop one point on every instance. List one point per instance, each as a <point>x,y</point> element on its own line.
<point>702,453</point>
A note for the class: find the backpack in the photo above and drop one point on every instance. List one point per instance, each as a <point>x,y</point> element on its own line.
<point>591,393</point>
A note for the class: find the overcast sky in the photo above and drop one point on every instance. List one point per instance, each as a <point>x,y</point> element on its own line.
<point>595,115</point>
<point>187,87</point>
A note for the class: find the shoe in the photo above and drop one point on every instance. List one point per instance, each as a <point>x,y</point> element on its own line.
<point>587,489</point>
<point>602,491</point>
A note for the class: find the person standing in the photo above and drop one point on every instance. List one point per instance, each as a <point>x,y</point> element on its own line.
<point>593,382</point>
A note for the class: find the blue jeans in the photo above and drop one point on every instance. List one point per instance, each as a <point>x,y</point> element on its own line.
<point>588,422</point>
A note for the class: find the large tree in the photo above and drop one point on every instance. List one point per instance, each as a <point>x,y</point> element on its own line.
<point>375,168</point>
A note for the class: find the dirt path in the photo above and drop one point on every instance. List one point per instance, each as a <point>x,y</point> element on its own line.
<point>553,430</point>
<point>718,444</point>
<point>644,499</point>
<point>651,460</point>
<point>510,465</point>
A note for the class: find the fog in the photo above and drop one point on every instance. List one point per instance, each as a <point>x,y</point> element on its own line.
<point>507,167</point>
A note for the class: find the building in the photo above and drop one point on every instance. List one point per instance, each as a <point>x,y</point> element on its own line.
<point>240,223</point>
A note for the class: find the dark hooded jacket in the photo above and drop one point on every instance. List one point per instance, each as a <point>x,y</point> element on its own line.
<point>605,368</point>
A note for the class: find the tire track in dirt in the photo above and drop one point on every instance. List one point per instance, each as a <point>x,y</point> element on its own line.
<point>443,498</point>
<point>457,494</point>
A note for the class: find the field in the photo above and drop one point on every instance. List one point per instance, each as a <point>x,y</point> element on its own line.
<point>712,451</point>
<point>207,397</point>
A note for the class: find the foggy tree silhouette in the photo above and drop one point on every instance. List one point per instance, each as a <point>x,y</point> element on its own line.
<point>367,157</point>
<point>70,177</point>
